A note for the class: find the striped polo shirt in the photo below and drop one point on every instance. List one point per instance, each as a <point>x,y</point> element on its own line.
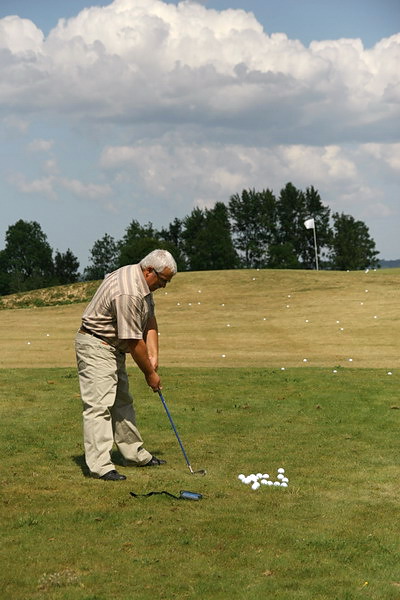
<point>121,307</point>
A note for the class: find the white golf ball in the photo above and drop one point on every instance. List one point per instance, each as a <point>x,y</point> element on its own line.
<point>246,480</point>
<point>269,482</point>
<point>259,475</point>
<point>281,470</point>
<point>277,483</point>
<point>266,476</point>
<point>255,485</point>
<point>241,476</point>
<point>264,482</point>
<point>285,480</point>
<point>284,484</point>
<point>280,476</point>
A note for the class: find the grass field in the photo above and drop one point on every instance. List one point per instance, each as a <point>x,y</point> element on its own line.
<point>330,422</point>
<point>232,319</point>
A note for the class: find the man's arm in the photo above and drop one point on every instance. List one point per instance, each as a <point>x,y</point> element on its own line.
<point>151,339</point>
<point>138,350</point>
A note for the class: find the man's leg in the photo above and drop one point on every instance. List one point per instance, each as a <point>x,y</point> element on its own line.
<point>97,369</point>
<point>126,434</point>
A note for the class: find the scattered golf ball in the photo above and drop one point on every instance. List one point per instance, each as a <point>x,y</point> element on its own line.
<point>277,483</point>
<point>264,482</point>
<point>255,485</point>
<point>334,371</point>
<point>304,360</point>
<point>281,470</point>
<point>266,476</point>
<point>284,484</point>
<point>285,480</point>
<point>282,368</point>
<point>280,476</point>
<point>241,476</point>
<point>390,373</point>
<point>223,355</point>
<point>350,360</point>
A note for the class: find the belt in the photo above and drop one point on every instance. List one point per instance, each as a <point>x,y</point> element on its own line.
<point>84,329</point>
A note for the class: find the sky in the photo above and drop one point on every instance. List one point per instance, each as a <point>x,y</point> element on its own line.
<point>145,109</point>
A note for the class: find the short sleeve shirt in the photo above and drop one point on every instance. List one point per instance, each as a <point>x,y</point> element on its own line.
<point>121,307</point>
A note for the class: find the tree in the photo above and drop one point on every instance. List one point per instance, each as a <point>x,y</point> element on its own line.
<point>103,258</point>
<point>253,216</point>
<point>173,235</point>
<point>352,248</point>
<point>207,239</point>
<point>139,240</point>
<point>27,257</point>
<point>66,267</point>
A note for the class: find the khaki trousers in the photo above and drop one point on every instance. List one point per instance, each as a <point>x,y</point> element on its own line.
<point>108,412</point>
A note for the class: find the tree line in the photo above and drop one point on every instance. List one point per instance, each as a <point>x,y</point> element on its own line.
<point>255,229</point>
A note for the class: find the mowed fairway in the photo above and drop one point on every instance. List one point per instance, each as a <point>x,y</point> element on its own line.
<point>332,422</point>
<point>242,318</point>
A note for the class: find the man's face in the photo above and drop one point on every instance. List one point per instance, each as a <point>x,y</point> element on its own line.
<point>157,279</point>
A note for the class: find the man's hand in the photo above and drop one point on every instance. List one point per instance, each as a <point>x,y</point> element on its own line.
<point>154,381</point>
<point>140,355</point>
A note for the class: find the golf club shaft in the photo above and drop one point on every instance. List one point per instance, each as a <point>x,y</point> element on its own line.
<point>175,431</point>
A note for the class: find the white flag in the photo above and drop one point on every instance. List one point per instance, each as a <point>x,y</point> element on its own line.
<point>309,224</point>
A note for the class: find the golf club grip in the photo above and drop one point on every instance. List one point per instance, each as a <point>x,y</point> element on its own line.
<point>174,428</point>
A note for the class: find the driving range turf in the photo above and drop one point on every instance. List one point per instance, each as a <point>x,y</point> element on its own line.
<point>331,422</point>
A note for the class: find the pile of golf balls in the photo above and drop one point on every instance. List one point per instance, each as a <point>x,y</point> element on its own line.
<point>256,480</point>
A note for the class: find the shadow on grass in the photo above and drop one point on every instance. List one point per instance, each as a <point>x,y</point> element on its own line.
<point>80,461</point>
<point>116,458</point>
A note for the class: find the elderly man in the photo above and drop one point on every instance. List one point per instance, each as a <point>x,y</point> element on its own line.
<point>119,319</point>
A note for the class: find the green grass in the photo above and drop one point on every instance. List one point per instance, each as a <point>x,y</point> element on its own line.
<point>332,534</point>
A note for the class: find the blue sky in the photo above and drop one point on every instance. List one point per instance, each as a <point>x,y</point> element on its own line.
<point>142,109</point>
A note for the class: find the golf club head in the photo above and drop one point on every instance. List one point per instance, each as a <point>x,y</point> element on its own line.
<point>199,472</point>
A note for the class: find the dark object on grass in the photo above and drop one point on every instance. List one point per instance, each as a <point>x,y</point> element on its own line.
<point>183,495</point>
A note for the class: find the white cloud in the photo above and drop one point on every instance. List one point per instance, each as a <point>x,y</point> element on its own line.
<point>92,191</point>
<point>145,61</point>
<point>43,186</point>
<point>40,145</point>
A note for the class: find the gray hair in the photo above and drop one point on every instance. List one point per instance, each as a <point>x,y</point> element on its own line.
<point>159,259</point>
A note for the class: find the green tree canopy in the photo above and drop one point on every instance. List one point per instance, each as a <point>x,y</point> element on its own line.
<point>27,257</point>
<point>103,258</point>
<point>253,215</point>
<point>66,267</point>
<point>207,239</point>
<point>352,248</point>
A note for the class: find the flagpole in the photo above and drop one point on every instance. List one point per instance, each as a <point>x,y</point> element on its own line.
<point>315,247</point>
<point>310,224</point>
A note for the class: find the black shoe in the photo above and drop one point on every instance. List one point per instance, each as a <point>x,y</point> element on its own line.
<point>154,462</point>
<point>113,476</point>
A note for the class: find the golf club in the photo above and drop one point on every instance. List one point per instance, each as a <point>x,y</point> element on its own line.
<point>200,471</point>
